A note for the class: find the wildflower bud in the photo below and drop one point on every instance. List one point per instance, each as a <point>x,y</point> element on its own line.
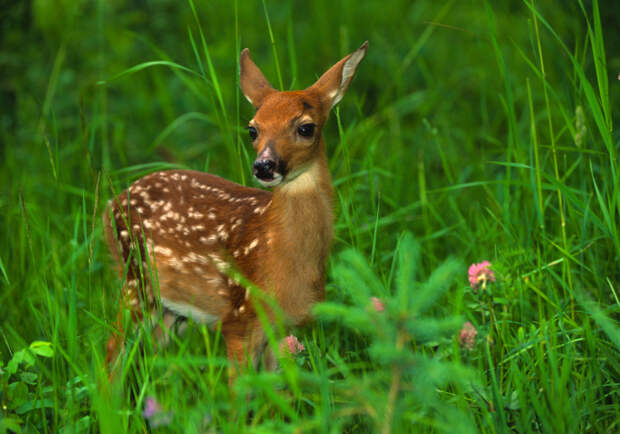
<point>154,414</point>
<point>377,304</point>
<point>467,336</point>
<point>291,345</point>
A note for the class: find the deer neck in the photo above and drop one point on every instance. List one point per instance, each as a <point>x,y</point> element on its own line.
<point>301,217</point>
<point>302,207</point>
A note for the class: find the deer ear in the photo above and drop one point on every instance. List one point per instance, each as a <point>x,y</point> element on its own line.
<point>333,84</point>
<point>253,83</point>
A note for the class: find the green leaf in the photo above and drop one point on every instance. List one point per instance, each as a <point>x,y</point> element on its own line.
<point>6,277</point>
<point>513,403</point>
<point>28,377</point>
<point>34,405</point>
<point>145,65</point>
<point>385,352</point>
<point>408,261</point>
<point>598,315</point>
<point>436,285</point>
<point>353,317</point>
<point>19,357</point>
<point>42,348</point>
<point>17,394</point>
<point>10,423</point>
<point>80,425</point>
<point>427,329</point>
<point>353,274</point>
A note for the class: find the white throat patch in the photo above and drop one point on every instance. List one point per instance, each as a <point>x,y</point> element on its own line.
<point>302,179</point>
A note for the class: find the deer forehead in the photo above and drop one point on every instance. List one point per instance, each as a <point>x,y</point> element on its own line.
<point>286,108</point>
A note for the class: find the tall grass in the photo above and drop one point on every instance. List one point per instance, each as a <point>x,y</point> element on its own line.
<point>472,131</point>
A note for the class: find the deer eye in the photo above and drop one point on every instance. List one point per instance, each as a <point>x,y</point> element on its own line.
<point>306,130</point>
<point>253,133</point>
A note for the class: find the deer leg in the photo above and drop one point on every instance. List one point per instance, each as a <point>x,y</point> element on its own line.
<point>270,362</point>
<point>129,301</point>
<point>164,327</point>
<point>114,344</point>
<point>244,343</point>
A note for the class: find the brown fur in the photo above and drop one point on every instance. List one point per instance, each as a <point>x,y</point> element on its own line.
<point>180,236</point>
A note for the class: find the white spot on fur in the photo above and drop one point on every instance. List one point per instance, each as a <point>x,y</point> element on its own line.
<point>163,250</point>
<point>211,239</point>
<point>222,233</point>
<point>250,247</point>
<point>155,205</point>
<point>176,265</point>
<point>195,257</point>
<point>219,263</point>
<point>234,227</point>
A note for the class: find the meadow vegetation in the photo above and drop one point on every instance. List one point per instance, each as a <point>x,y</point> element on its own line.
<point>473,130</point>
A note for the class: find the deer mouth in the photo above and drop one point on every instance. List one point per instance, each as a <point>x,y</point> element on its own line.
<point>272,181</point>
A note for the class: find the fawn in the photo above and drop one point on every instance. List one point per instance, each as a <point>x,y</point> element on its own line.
<point>178,235</point>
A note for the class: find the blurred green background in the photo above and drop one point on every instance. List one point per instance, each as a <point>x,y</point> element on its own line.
<point>447,132</point>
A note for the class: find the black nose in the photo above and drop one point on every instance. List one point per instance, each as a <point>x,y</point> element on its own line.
<point>263,169</point>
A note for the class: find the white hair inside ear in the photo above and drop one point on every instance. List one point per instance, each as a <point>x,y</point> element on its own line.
<point>348,69</point>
